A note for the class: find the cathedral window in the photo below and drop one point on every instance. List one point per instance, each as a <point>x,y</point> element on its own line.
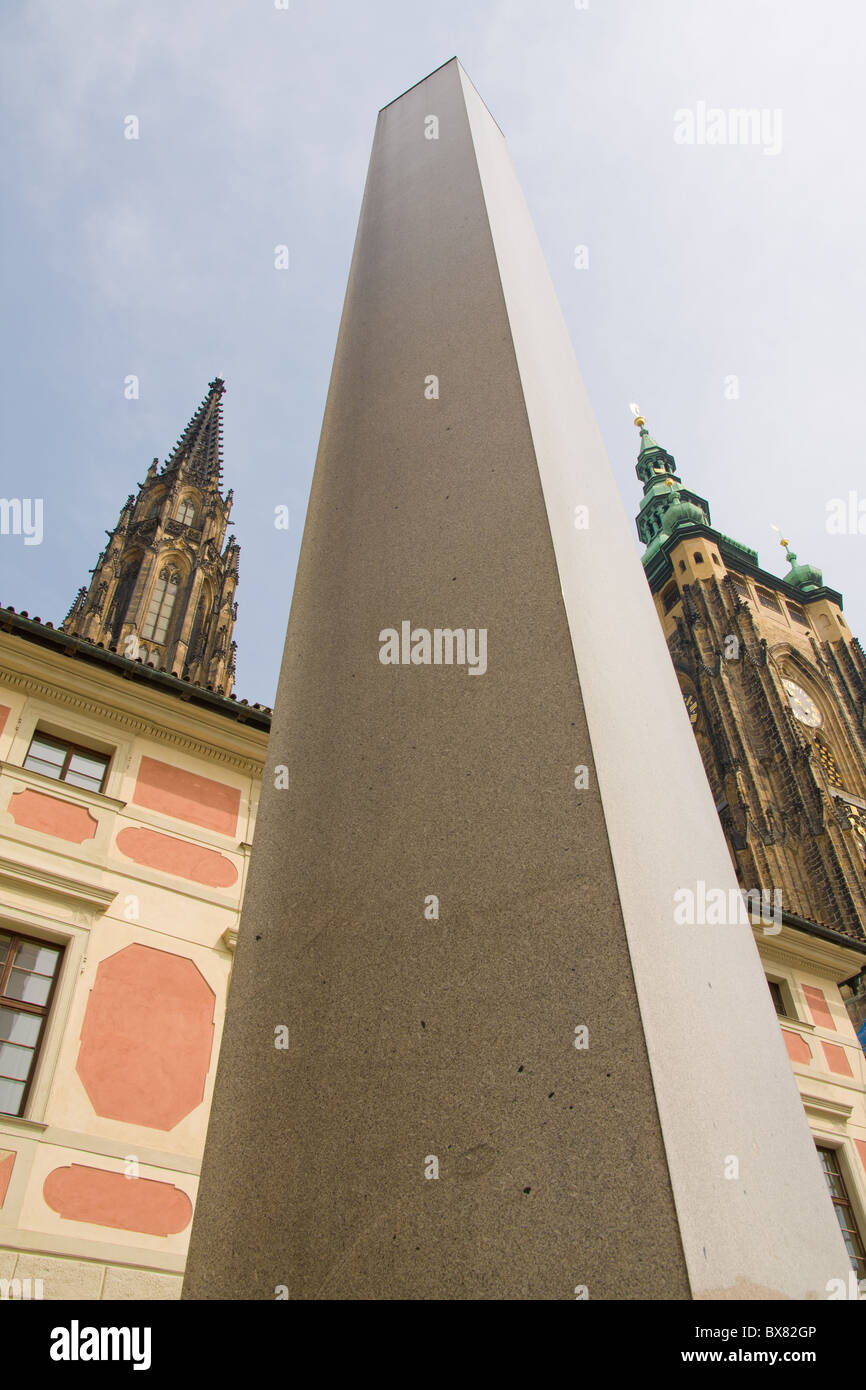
<point>740,589</point>
<point>186,512</point>
<point>670,596</point>
<point>162,602</point>
<point>857,822</point>
<point>699,559</point>
<point>768,599</point>
<point>200,629</point>
<point>122,596</point>
<point>797,614</point>
<point>828,762</point>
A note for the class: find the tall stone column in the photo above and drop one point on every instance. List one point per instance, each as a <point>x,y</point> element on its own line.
<point>509,1072</point>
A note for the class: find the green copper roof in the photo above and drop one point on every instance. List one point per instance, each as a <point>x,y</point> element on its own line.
<point>803,577</point>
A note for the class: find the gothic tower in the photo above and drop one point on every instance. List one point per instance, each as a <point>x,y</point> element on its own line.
<point>163,589</point>
<point>775,686</point>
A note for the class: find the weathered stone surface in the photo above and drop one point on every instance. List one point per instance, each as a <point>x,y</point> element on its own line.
<point>432,1131</point>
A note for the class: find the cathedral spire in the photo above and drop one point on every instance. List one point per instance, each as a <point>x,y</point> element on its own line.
<point>198,451</point>
<point>163,589</point>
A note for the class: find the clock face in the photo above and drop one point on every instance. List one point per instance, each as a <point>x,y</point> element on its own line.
<point>691,705</point>
<point>803,707</point>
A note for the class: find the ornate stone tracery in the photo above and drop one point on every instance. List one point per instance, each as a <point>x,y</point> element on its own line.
<point>171,534</point>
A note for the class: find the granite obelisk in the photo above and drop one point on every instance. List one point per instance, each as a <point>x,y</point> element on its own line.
<point>469,1052</point>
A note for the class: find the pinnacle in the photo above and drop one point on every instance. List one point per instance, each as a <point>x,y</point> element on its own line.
<point>198,451</point>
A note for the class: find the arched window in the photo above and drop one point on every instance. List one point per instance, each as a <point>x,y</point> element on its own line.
<point>857,822</point>
<point>162,601</point>
<point>828,762</point>
<point>186,512</point>
<point>121,600</point>
<point>200,629</point>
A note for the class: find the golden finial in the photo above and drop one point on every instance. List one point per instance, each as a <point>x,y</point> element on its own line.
<point>783,540</point>
<point>638,418</point>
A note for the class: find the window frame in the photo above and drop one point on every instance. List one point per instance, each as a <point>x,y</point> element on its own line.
<point>71,750</point>
<point>169,576</point>
<point>836,1151</point>
<point>786,994</point>
<point>42,1011</point>
<point>769,599</point>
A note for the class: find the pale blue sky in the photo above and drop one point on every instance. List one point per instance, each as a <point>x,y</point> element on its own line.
<point>155,256</point>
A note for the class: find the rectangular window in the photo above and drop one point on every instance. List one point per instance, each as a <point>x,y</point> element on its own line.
<point>842,1206</point>
<point>670,597</point>
<point>28,973</point>
<point>741,589</point>
<point>778,998</point>
<point>66,762</point>
<point>797,614</point>
<point>768,599</point>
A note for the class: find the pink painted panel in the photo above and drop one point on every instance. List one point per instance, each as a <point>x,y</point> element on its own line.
<point>798,1049</point>
<point>836,1059</point>
<point>861,1149</point>
<point>4,715</point>
<point>52,816</point>
<point>188,796</point>
<point>818,1007</point>
<point>103,1198</point>
<point>147,1037</point>
<point>7,1163</point>
<point>195,862</point>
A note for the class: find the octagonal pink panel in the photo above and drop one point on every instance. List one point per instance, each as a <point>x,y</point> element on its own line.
<point>798,1049</point>
<point>52,816</point>
<point>103,1198</point>
<point>147,1037</point>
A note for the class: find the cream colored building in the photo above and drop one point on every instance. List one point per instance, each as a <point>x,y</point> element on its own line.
<point>128,790</point>
<point>137,888</point>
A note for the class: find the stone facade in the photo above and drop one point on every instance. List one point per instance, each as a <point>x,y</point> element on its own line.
<point>775,686</point>
<point>163,590</point>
